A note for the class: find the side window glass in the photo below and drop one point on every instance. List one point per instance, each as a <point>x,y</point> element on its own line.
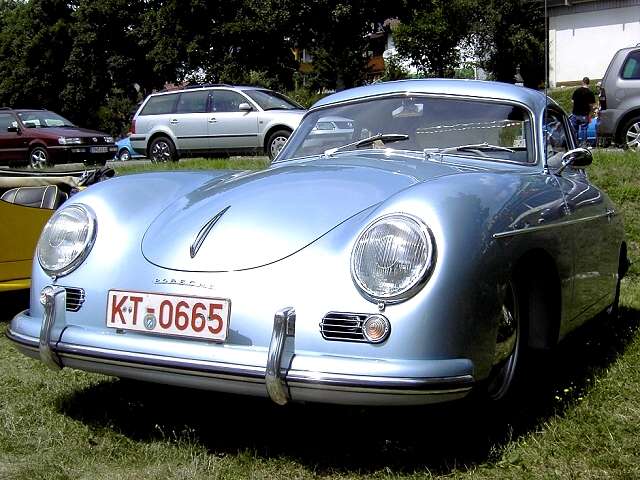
<point>160,105</point>
<point>193,102</point>
<point>631,69</point>
<point>226,101</point>
<point>6,121</point>
<point>556,138</point>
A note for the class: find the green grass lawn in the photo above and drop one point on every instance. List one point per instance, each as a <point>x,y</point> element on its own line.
<point>581,421</point>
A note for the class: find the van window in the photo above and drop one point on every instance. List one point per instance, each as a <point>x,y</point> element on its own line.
<point>193,102</point>
<point>631,69</point>
<point>160,105</point>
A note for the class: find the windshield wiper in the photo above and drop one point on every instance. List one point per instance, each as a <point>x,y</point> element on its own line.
<point>383,137</point>
<point>478,146</point>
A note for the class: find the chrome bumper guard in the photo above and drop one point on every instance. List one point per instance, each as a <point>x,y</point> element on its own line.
<point>54,300</point>
<point>284,327</point>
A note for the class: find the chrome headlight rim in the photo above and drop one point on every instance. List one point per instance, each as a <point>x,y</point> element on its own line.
<point>91,239</point>
<point>421,279</point>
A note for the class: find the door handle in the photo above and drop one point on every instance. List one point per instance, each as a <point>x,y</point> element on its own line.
<point>212,120</point>
<point>173,121</point>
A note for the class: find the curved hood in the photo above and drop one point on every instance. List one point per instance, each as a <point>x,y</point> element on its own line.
<point>254,219</point>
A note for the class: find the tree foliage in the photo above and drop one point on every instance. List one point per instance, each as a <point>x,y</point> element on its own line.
<point>431,31</point>
<point>94,61</point>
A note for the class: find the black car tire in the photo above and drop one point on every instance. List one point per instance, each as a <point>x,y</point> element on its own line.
<point>39,158</point>
<point>124,155</point>
<point>631,130</point>
<point>276,142</point>
<point>162,150</point>
<point>505,376</point>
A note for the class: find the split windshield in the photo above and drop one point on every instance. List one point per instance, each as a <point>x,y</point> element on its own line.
<point>418,123</point>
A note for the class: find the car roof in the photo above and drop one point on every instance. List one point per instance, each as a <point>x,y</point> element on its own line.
<point>458,87</point>
<point>220,86</point>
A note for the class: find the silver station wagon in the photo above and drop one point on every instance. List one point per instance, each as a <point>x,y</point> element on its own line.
<point>213,120</point>
<point>417,250</point>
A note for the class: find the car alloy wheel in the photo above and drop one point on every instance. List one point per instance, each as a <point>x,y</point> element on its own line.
<point>161,151</point>
<point>508,347</point>
<point>38,158</point>
<point>276,142</point>
<point>632,136</point>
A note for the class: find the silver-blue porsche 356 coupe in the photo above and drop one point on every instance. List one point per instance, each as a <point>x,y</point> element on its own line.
<point>414,257</point>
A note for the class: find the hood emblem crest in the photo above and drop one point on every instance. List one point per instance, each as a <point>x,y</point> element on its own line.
<point>204,231</point>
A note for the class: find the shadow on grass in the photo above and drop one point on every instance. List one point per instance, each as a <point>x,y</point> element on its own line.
<point>350,439</point>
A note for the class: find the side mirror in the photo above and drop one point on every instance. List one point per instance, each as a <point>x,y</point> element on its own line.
<point>577,158</point>
<point>13,128</point>
<point>245,107</point>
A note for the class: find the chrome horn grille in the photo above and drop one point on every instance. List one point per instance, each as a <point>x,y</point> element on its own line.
<point>75,298</point>
<point>346,327</point>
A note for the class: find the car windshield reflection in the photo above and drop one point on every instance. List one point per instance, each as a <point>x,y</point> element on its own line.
<point>419,124</point>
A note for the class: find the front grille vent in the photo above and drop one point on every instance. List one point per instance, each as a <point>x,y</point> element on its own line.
<point>75,298</point>
<point>345,327</point>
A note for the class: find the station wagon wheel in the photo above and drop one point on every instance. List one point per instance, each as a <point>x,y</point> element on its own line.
<point>632,134</point>
<point>38,158</point>
<point>276,142</point>
<point>509,347</point>
<point>124,155</point>
<point>162,150</point>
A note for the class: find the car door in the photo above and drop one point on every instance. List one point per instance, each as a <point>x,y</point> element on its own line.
<point>189,122</point>
<point>229,127</point>
<point>595,256</point>
<point>13,144</point>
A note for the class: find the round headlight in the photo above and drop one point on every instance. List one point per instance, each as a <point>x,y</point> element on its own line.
<point>66,239</point>
<point>392,256</point>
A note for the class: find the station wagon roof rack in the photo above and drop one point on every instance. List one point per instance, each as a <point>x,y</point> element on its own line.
<point>205,85</point>
<point>6,108</point>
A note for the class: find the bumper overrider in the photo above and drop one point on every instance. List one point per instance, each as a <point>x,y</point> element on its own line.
<point>284,375</point>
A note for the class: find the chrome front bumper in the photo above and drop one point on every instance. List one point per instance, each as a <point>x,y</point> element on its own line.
<point>284,375</point>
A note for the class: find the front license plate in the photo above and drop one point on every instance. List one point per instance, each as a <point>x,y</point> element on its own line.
<point>99,149</point>
<point>186,316</point>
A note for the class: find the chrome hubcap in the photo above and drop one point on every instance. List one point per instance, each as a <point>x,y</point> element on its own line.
<point>124,156</point>
<point>633,135</point>
<point>506,351</point>
<point>38,158</point>
<point>161,152</point>
<point>277,144</point>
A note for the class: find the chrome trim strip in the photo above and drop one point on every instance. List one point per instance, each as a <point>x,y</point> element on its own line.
<point>538,228</point>
<point>54,300</point>
<point>23,340</point>
<point>283,326</point>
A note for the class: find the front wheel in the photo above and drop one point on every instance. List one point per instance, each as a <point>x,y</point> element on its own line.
<point>509,348</point>
<point>276,142</point>
<point>124,155</point>
<point>38,158</point>
<point>631,134</point>
<point>162,150</point>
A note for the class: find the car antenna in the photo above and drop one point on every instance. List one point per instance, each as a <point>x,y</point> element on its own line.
<point>546,87</point>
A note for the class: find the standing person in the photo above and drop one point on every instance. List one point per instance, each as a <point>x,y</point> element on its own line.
<point>583,101</point>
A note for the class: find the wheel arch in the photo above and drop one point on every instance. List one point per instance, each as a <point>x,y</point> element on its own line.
<point>536,274</point>
<point>160,133</point>
<point>622,122</point>
<point>271,131</point>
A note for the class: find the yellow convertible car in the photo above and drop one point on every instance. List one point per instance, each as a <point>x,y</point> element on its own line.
<point>27,201</point>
